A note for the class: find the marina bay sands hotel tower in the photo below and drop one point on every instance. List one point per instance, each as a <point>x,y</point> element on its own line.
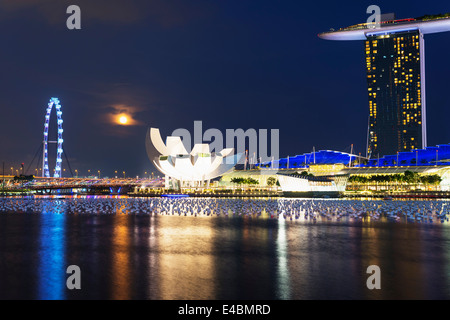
<point>395,65</point>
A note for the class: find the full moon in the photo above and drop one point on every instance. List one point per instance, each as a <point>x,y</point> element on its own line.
<point>123,120</point>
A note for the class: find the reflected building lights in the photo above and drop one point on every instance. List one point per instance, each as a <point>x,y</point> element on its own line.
<point>121,260</point>
<point>52,266</point>
<point>283,278</point>
<point>186,264</point>
<point>153,279</point>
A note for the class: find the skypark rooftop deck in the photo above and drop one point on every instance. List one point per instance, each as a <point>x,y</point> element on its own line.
<point>426,24</point>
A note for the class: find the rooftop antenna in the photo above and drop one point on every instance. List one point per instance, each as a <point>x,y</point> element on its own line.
<point>351,152</point>
<point>314,154</point>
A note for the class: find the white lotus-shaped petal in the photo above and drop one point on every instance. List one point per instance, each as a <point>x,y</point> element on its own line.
<point>199,165</point>
<point>157,141</point>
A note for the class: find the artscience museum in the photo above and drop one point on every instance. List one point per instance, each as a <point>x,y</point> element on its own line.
<point>190,169</point>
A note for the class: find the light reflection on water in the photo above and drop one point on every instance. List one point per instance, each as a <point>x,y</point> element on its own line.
<point>283,288</point>
<point>121,258</point>
<point>140,256</point>
<point>52,276</point>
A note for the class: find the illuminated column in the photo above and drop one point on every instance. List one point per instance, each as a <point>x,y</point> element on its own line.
<point>422,89</point>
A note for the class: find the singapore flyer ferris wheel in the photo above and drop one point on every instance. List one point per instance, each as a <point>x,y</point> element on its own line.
<point>54,102</point>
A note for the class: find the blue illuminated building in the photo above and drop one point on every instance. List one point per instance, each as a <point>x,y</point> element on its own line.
<point>307,159</point>
<point>429,156</point>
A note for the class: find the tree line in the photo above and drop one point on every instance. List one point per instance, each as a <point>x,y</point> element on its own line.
<point>240,180</point>
<point>406,177</point>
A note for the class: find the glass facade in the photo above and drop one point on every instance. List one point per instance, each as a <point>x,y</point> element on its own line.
<point>394,82</point>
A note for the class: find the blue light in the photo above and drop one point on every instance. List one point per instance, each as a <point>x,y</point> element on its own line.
<point>174,195</point>
<point>52,264</point>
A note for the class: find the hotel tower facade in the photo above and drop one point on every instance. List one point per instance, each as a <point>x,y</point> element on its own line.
<point>395,67</point>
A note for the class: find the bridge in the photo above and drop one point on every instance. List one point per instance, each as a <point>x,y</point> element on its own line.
<point>69,185</point>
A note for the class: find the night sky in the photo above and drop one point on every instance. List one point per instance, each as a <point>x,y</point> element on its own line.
<point>232,64</point>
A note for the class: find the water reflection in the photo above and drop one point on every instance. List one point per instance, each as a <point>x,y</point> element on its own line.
<point>283,277</point>
<point>52,266</point>
<point>152,279</point>
<point>138,256</point>
<point>175,257</point>
<point>186,258</point>
<point>121,273</point>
